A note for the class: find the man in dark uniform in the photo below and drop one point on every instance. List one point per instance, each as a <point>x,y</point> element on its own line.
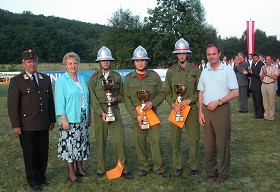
<point>32,115</point>
<point>186,74</point>
<point>99,105</point>
<point>143,79</point>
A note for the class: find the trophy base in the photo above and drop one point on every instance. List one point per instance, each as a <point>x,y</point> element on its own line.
<point>179,119</point>
<point>145,126</point>
<point>112,118</point>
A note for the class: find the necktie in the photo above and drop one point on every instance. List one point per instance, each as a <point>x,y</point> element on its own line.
<point>34,80</point>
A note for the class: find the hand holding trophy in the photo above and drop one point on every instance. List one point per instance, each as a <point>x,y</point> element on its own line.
<point>180,89</point>
<point>143,96</point>
<point>108,85</point>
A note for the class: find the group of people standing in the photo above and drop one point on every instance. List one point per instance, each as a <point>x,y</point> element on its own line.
<point>33,111</point>
<point>260,77</point>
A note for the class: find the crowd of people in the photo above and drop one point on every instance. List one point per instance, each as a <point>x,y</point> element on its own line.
<point>198,95</point>
<point>258,75</point>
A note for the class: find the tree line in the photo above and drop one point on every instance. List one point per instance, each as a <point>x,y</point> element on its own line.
<point>52,36</point>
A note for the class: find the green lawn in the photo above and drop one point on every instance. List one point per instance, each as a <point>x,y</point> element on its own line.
<point>255,158</point>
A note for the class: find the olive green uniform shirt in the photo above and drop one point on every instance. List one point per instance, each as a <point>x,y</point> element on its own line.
<point>188,76</point>
<point>151,83</point>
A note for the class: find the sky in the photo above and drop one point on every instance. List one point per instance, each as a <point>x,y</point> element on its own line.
<point>227,16</point>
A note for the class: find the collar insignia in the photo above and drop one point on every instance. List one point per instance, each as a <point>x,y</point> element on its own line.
<point>40,76</point>
<point>25,76</point>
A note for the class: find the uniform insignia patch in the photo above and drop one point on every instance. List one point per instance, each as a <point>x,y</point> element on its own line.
<point>171,66</point>
<point>25,76</point>
<point>149,80</point>
<point>40,76</point>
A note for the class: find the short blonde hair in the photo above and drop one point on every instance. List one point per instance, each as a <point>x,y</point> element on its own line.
<point>71,55</point>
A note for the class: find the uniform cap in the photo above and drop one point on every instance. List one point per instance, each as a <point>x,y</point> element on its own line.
<point>29,54</point>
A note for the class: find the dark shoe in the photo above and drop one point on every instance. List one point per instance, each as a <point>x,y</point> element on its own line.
<point>46,182</point>
<point>76,181</point>
<point>194,173</point>
<point>220,179</point>
<point>165,174</point>
<point>258,117</point>
<point>178,173</point>
<point>245,111</point>
<point>128,175</point>
<point>209,177</point>
<point>99,175</point>
<point>82,175</point>
<point>240,111</point>
<point>142,173</point>
<point>37,188</point>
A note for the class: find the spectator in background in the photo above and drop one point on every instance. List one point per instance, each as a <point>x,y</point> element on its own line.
<point>278,79</point>
<point>250,60</point>
<point>73,115</point>
<point>262,58</point>
<point>254,73</point>
<point>242,80</point>
<point>32,115</point>
<point>231,63</point>
<point>217,86</point>
<point>224,61</point>
<point>268,75</point>
<point>202,65</point>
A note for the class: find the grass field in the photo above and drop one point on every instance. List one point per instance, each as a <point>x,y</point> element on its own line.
<point>255,158</point>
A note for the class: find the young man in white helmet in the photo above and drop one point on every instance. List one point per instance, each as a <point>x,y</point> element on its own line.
<point>99,104</point>
<point>188,75</point>
<point>143,79</point>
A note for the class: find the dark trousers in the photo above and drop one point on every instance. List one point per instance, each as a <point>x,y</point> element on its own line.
<point>243,98</point>
<point>258,103</point>
<point>35,147</point>
<point>216,132</point>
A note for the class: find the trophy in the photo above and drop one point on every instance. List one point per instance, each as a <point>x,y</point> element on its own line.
<point>180,89</point>
<point>108,85</point>
<point>143,97</point>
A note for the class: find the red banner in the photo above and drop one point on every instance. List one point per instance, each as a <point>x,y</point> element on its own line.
<point>250,37</point>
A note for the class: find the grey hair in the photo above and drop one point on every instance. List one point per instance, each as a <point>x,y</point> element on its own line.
<point>71,55</point>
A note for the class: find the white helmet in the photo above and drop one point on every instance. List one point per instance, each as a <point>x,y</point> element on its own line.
<point>182,46</point>
<point>104,54</point>
<point>140,53</point>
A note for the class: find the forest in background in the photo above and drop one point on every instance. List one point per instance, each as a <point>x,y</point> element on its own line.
<point>52,37</point>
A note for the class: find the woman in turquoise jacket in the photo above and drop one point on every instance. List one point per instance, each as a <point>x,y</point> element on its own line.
<point>73,117</point>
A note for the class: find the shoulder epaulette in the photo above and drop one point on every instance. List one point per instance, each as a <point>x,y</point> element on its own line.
<point>171,66</point>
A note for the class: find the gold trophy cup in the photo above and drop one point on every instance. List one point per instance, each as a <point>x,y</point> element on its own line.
<point>108,85</point>
<point>143,97</point>
<point>180,89</point>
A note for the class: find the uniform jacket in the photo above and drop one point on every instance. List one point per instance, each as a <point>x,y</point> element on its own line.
<point>29,107</point>
<point>255,76</point>
<point>188,76</point>
<point>98,99</point>
<point>241,78</point>
<point>151,83</point>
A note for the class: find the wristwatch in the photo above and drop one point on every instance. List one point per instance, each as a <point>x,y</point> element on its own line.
<point>220,102</point>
